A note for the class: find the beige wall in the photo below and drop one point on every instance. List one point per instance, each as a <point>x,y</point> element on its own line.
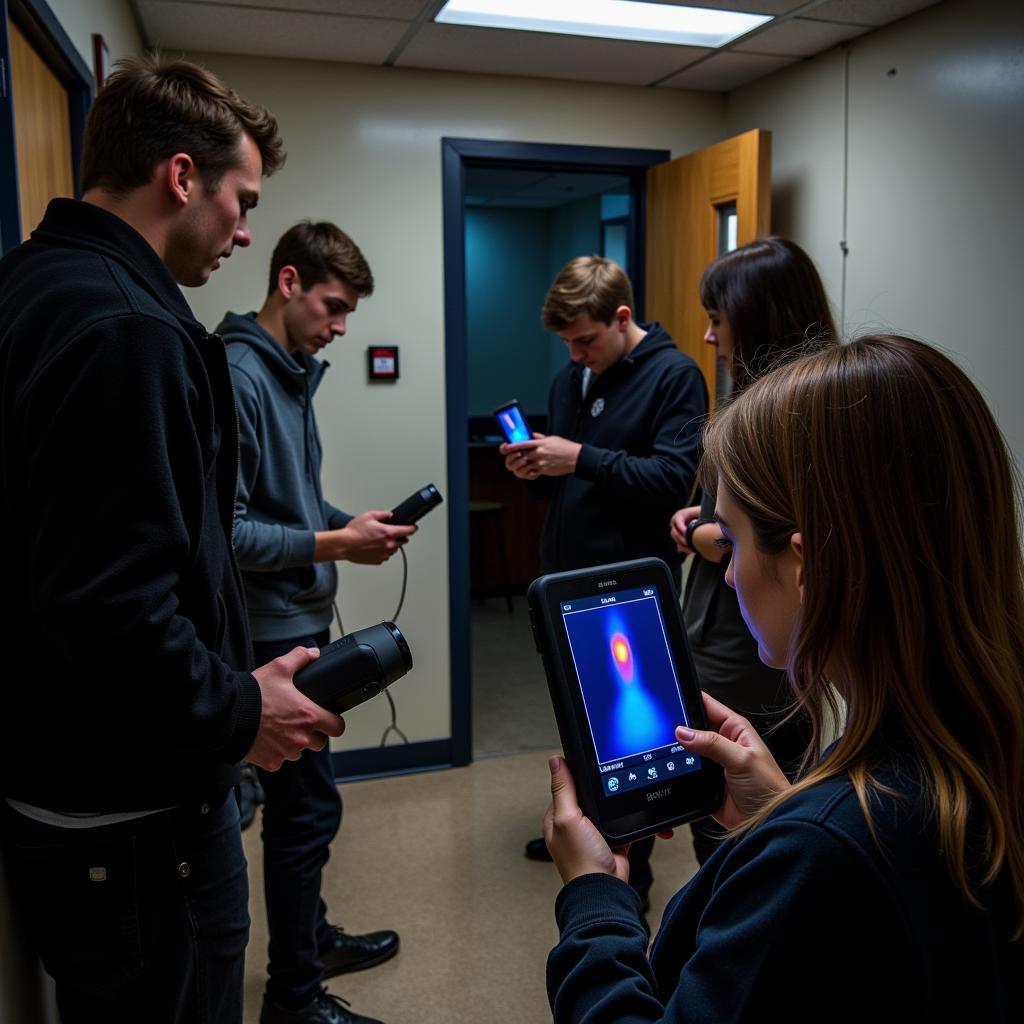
<point>365,151</point>
<point>112,19</point>
<point>934,221</point>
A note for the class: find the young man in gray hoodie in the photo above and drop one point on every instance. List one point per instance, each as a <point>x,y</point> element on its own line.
<point>287,538</point>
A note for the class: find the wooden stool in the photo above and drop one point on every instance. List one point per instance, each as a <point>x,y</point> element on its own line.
<point>484,511</point>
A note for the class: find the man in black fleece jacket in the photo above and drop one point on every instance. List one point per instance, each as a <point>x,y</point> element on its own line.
<point>122,621</point>
<point>624,422</point>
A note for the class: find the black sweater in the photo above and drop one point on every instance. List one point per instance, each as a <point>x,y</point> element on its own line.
<point>638,461</point>
<point>121,614</point>
<point>807,918</point>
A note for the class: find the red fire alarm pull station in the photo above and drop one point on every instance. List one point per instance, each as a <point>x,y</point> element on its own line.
<point>382,362</point>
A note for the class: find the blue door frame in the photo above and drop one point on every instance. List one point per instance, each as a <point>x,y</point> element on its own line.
<point>457,155</point>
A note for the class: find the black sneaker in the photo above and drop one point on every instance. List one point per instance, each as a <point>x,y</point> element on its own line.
<point>323,1008</point>
<point>345,953</point>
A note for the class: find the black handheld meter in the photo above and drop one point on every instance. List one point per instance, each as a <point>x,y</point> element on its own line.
<point>355,667</point>
<point>416,506</point>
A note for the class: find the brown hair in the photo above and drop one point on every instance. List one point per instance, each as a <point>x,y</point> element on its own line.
<point>885,458</point>
<point>773,298</point>
<point>152,108</point>
<point>587,285</point>
<point>318,251</point>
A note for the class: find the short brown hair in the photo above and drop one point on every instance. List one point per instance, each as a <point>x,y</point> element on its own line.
<point>587,285</point>
<point>152,108</point>
<point>318,251</point>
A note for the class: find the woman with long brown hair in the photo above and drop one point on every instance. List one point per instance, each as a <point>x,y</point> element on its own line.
<point>764,301</point>
<point>870,503</point>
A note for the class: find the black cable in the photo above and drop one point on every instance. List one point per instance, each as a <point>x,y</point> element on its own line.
<point>405,577</point>
<point>393,727</point>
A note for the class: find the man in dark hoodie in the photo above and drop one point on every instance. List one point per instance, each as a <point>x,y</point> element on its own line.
<point>287,538</point>
<point>126,652</point>
<point>624,422</point>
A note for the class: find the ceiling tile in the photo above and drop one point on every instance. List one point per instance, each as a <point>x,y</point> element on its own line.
<point>404,10</point>
<point>726,71</point>
<point>544,55</point>
<point>869,12</point>
<point>773,7</point>
<point>172,25</point>
<point>799,37</point>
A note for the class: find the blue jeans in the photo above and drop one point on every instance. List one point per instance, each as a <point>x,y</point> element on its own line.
<point>301,817</point>
<point>146,920</point>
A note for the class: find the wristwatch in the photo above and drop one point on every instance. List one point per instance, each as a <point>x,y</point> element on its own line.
<point>691,526</point>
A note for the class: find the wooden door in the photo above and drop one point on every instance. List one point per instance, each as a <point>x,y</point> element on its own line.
<point>42,131</point>
<point>685,198</point>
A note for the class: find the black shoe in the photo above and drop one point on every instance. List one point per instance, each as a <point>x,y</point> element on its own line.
<point>323,1008</point>
<point>346,952</point>
<point>537,849</point>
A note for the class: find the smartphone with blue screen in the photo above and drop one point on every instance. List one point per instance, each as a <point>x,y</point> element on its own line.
<point>512,422</point>
<point>621,679</point>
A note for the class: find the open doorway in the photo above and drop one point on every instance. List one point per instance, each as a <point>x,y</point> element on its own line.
<point>522,226</point>
<point>514,214</point>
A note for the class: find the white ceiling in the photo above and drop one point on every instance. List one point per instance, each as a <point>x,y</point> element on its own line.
<point>402,33</point>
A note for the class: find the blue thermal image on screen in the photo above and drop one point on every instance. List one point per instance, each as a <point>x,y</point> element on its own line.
<point>513,425</point>
<point>627,677</point>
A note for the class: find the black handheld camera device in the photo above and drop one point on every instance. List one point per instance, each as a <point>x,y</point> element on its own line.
<point>621,679</point>
<point>356,667</point>
<point>416,506</point>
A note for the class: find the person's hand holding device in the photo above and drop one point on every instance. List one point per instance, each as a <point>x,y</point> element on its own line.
<point>529,455</point>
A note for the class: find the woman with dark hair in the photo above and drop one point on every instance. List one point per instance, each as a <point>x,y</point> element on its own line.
<point>870,503</point>
<point>764,301</point>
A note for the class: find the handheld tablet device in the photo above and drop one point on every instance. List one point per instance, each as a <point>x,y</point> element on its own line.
<point>513,425</point>
<point>416,506</point>
<point>355,667</point>
<point>621,679</point>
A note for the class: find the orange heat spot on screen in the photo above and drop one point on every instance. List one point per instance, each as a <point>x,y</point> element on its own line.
<point>622,654</point>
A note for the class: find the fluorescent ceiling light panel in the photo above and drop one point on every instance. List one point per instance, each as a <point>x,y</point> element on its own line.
<point>607,19</point>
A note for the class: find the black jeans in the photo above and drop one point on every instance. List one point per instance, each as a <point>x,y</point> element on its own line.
<point>301,817</point>
<point>146,920</point>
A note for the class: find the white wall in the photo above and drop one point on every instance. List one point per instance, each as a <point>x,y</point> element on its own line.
<point>935,225</point>
<point>365,151</point>
<point>111,19</point>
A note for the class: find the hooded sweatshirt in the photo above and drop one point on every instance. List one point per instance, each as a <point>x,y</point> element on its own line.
<point>639,424</point>
<point>280,504</point>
